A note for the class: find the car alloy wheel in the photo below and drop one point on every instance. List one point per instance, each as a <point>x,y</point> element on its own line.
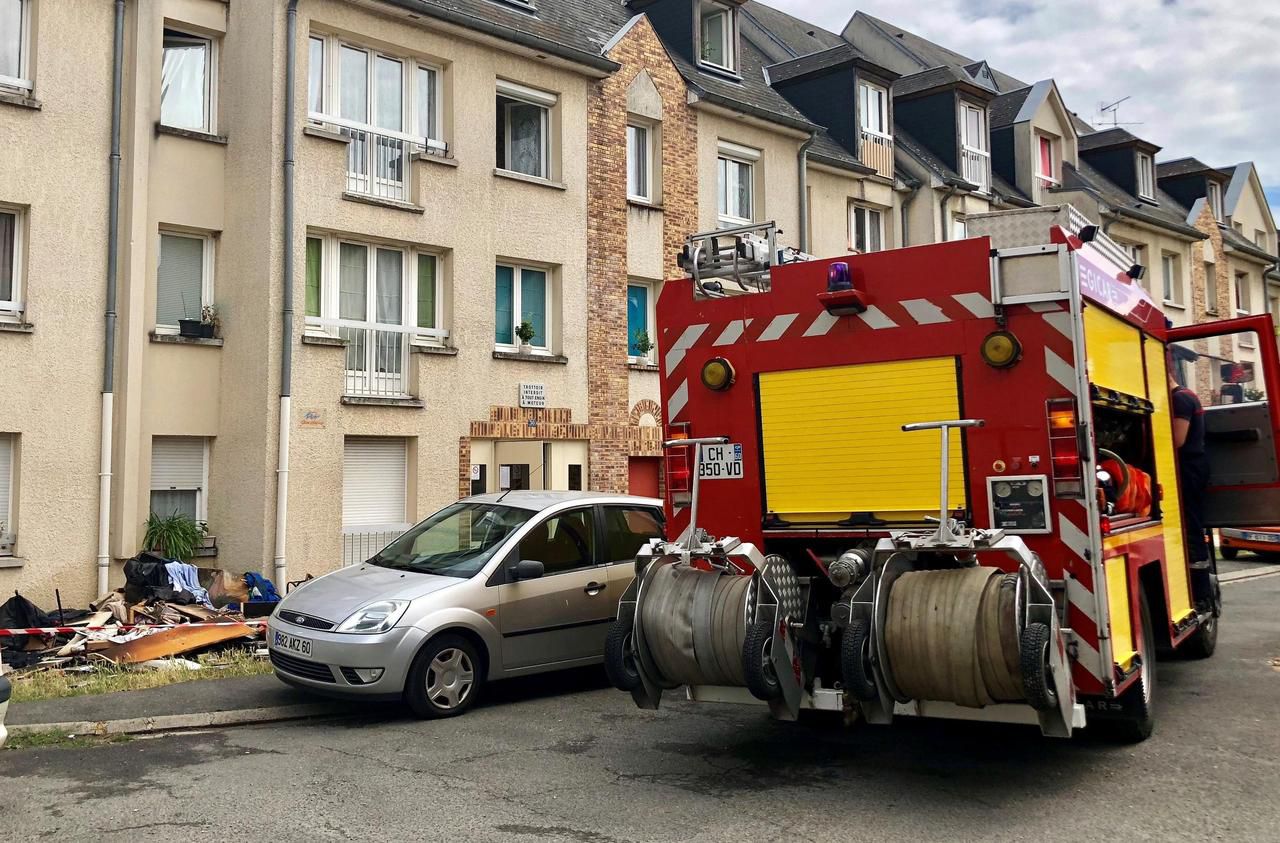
<point>450,677</point>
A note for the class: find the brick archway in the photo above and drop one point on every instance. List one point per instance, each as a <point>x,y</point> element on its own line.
<point>646,406</point>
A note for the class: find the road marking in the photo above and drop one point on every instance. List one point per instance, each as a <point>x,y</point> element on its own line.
<point>1249,574</point>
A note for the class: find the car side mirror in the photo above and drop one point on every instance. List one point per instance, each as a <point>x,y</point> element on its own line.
<point>528,569</point>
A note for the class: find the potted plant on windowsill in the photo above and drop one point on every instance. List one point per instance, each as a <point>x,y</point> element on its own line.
<point>210,323</point>
<point>643,345</point>
<point>175,536</point>
<point>525,332</point>
<point>188,327</point>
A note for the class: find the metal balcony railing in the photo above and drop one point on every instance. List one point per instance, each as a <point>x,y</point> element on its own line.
<point>378,160</point>
<point>360,547</point>
<point>877,151</point>
<point>976,167</point>
<point>377,355</point>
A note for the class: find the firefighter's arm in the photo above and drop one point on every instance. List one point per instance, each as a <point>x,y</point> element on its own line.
<point>1180,429</point>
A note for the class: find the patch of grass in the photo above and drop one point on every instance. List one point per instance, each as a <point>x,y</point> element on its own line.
<point>61,740</point>
<point>54,684</point>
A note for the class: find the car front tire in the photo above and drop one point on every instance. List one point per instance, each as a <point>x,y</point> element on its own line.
<point>445,677</point>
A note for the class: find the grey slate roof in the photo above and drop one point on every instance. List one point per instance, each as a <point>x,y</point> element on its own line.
<point>905,144</point>
<point>935,77</point>
<point>914,52</point>
<point>1164,212</point>
<point>841,54</point>
<point>793,36</point>
<point>1106,137</point>
<point>1181,167</point>
<point>1240,243</point>
<point>1004,108</point>
<point>751,95</point>
<point>825,150</point>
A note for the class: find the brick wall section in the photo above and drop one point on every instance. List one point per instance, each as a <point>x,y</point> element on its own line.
<point>1224,302</point>
<point>607,373</point>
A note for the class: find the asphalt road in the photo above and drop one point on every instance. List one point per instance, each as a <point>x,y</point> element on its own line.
<point>569,759</point>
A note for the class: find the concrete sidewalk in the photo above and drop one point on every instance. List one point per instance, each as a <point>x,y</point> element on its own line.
<point>185,705</point>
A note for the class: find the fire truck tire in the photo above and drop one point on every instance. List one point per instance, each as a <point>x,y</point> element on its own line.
<point>1204,641</point>
<point>1037,682</point>
<point>757,664</point>
<point>855,661</point>
<point>619,660</point>
<point>1136,718</point>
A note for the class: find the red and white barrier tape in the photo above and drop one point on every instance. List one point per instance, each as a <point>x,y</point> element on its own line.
<point>72,630</point>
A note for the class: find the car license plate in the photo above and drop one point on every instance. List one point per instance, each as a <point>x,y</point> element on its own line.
<point>1268,538</point>
<point>721,462</point>
<point>292,644</point>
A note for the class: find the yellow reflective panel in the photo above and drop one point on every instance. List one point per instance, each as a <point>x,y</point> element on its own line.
<point>1177,577</point>
<point>1114,350</point>
<point>833,440</point>
<point>1122,650</point>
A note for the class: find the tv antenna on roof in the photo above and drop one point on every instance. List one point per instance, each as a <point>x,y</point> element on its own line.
<point>1111,112</point>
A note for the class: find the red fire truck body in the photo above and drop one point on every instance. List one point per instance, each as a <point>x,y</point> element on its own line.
<point>1033,330</point>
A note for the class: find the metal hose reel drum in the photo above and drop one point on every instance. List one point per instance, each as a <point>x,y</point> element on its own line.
<point>954,636</point>
<point>695,624</point>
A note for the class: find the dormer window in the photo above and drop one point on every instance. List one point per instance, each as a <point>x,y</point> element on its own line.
<point>1146,177</point>
<point>1215,200</point>
<point>1047,161</point>
<point>975,156</point>
<point>873,105</point>
<point>717,36</point>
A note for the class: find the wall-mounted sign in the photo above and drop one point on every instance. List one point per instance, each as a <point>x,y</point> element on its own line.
<point>312,419</point>
<point>533,395</point>
<point>475,472</point>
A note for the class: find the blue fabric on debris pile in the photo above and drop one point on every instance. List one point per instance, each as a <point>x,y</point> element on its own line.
<point>185,578</point>
<point>260,589</point>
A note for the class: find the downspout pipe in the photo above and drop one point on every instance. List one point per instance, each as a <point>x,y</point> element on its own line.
<point>109,346</point>
<point>286,310</point>
<point>802,164</point>
<point>912,191</point>
<point>942,210</point>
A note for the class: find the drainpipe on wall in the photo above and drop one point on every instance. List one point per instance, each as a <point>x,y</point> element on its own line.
<point>109,353</point>
<point>906,208</point>
<point>942,209</point>
<point>802,160</point>
<point>286,313</point>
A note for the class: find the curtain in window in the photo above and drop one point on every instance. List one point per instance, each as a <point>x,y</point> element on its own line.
<point>637,316</point>
<point>182,501</point>
<point>11,38</point>
<point>388,80</point>
<point>525,140</point>
<point>389,287</point>
<point>353,269</point>
<point>6,480</point>
<point>179,279</point>
<point>314,255</point>
<point>315,76</point>
<point>1046,157</point>
<point>426,291</point>
<point>504,307</point>
<point>742,184</point>
<point>426,102</point>
<point>8,254</point>
<point>637,161</point>
<point>182,82</point>
<point>533,303</point>
<point>353,81</point>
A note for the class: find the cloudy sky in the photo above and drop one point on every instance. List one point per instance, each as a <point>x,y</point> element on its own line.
<point>1201,74</point>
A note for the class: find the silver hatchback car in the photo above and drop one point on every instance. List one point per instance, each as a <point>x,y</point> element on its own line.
<point>493,586</point>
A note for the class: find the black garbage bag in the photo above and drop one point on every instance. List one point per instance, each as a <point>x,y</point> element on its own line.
<point>145,578</point>
<point>17,613</point>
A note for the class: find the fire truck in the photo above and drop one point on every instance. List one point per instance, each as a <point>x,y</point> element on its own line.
<point>936,481</point>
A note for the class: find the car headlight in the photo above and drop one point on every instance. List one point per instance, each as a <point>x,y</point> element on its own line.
<point>376,617</point>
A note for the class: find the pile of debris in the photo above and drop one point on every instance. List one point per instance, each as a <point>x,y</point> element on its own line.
<point>166,609</point>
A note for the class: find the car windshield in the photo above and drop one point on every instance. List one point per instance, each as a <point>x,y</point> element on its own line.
<point>455,542</point>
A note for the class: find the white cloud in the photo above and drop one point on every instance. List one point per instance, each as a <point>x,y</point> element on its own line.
<point>1200,74</point>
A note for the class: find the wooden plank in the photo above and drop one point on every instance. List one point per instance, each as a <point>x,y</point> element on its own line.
<point>173,642</point>
<point>194,610</point>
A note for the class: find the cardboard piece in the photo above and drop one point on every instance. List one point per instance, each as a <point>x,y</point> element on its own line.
<point>173,642</point>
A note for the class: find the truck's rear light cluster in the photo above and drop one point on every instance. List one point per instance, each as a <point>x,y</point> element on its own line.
<point>679,469</point>
<point>1064,448</point>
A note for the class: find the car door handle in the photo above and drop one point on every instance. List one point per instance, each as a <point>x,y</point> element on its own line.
<point>595,587</point>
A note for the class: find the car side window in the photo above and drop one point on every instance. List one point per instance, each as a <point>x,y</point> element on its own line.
<point>563,542</point>
<point>627,529</point>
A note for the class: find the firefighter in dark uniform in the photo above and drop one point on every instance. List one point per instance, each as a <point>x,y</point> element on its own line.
<point>1193,465</point>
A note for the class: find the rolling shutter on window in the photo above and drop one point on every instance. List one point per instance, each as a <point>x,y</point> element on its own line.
<point>177,462</point>
<point>179,281</point>
<point>6,479</point>
<point>373,483</point>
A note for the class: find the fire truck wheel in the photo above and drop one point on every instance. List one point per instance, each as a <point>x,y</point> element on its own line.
<point>1037,682</point>
<point>619,661</point>
<point>1136,718</point>
<point>855,661</point>
<point>757,662</point>
<point>1204,641</point>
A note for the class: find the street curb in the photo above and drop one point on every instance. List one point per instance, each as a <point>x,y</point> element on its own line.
<point>174,722</point>
<point>1238,576</point>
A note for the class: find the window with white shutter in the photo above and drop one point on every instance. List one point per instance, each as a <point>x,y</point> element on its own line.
<point>6,494</point>
<point>179,466</point>
<point>374,470</point>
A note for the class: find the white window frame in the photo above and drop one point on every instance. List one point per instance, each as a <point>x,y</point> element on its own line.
<point>650,322</point>
<point>1243,294</point>
<point>1211,285</point>
<point>1047,179</point>
<point>865,89</point>
<point>737,154</point>
<point>206,270</point>
<point>959,228</point>
<point>1214,197</point>
<point>730,44</point>
<point>11,309</point>
<point>331,92</point>
<point>867,211</point>
<point>202,494</point>
<point>645,193</point>
<point>983,144</point>
<point>8,534</point>
<point>210,77</point>
<point>1171,282</point>
<point>545,101</point>
<point>1146,176</point>
<point>517,311</point>
<point>22,82</point>
<point>328,322</point>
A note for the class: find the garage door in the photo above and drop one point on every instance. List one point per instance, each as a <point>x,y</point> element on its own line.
<point>373,484</point>
<point>834,446</point>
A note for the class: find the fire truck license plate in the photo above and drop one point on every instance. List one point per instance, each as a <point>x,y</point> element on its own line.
<point>721,462</point>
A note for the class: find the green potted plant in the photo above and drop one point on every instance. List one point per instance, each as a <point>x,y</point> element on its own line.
<point>210,323</point>
<point>641,342</point>
<point>175,536</point>
<point>525,332</point>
